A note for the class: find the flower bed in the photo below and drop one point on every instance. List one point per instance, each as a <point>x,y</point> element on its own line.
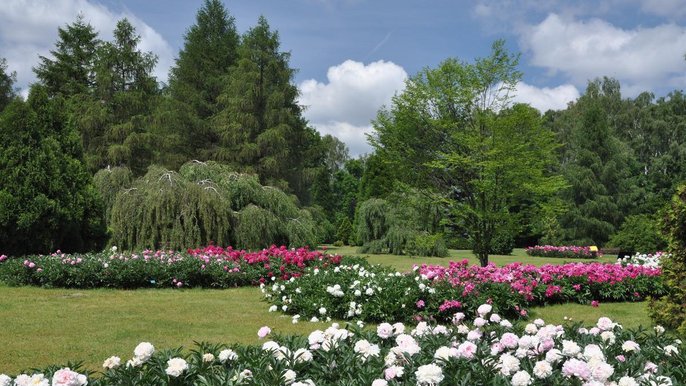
<point>209,267</point>
<point>569,252</point>
<point>489,351</point>
<point>653,260</point>
<point>374,293</point>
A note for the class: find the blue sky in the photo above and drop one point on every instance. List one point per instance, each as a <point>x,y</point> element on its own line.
<point>353,55</point>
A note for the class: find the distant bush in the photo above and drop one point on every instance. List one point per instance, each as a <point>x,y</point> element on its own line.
<point>638,233</point>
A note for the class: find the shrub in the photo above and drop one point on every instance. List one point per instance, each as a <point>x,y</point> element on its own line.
<point>502,244</point>
<point>425,244</point>
<point>670,309</point>
<point>208,267</point>
<point>638,233</point>
<point>345,230</point>
<point>374,293</point>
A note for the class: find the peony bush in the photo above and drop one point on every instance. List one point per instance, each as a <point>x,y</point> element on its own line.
<point>653,260</point>
<point>374,293</point>
<point>487,351</point>
<point>209,267</point>
<point>570,252</point>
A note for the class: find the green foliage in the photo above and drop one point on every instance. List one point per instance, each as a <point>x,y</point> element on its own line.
<point>260,128</point>
<point>108,182</point>
<point>72,71</point>
<point>453,132</point>
<point>670,309</point>
<point>426,244</point>
<point>639,233</point>
<point>182,122</point>
<point>502,244</point>
<point>344,231</point>
<point>599,167</point>
<point>47,199</point>
<point>7,81</point>
<point>402,224</point>
<point>205,203</point>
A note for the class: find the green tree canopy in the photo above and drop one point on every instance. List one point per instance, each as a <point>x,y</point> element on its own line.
<point>453,131</point>
<point>182,122</point>
<point>47,200</point>
<point>261,128</point>
<point>6,85</point>
<point>71,70</point>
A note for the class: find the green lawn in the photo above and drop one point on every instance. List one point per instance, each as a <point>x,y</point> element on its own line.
<point>41,326</point>
<point>404,263</point>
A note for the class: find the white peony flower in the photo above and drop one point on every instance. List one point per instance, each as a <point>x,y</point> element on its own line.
<point>521,378</point>
<point>144,351</point>
<point>379,382</point>
<point>669,350</point>
<point>445,353</point>
<point>110,363</point>
<point>307,382</point>
<point>289,376</point>
<point>66,377</point>
<point>5,380</point>
<point>484,309</point>
<point>227,355</point>
<point>33,380</point>
<point>302,355</point>
<point>627,381</point>
<point>208,357</point>
<point>543,369</point>
<point>176,367</point>
<point>570,348</point>
<point>384,330</point>
<point>366,349</point>
<point>430,374</point>
<point>508,364</point>
<point>630,345</point>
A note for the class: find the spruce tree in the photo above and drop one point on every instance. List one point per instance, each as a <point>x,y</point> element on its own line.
<point>261,128</point>
<point>128,92</point>
<point>71,70</point>
<point>182,122</point>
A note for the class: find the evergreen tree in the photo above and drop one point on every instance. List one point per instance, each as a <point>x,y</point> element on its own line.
<point>208,54</point>
<point>6,85</point>
<point>71,70</point>
<point>260,127</point>
<point>182,122</point>
<point>600,169</point>
<point>47,200</point>
<point>128,92</point>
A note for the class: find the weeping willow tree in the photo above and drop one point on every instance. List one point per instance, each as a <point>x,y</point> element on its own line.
<point>109,182</point>
<point>406,223</point>
<point>204,203</point>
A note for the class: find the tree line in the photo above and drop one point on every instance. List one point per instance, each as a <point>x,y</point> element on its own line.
<point>455,163</point>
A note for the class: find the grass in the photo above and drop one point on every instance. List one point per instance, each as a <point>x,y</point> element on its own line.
<point>629,315</point>
<point>51,326</point>
<point>405,263</point>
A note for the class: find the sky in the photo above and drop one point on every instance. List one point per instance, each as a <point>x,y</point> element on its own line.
<point>352,56</point>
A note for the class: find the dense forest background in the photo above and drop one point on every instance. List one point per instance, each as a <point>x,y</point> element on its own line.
<point>102,153</point>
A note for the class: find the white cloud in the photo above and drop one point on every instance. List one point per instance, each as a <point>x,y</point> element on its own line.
<point>583,50</point>
<point>345,105</point>
<point>546,98</point>
<point>28,28</point>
